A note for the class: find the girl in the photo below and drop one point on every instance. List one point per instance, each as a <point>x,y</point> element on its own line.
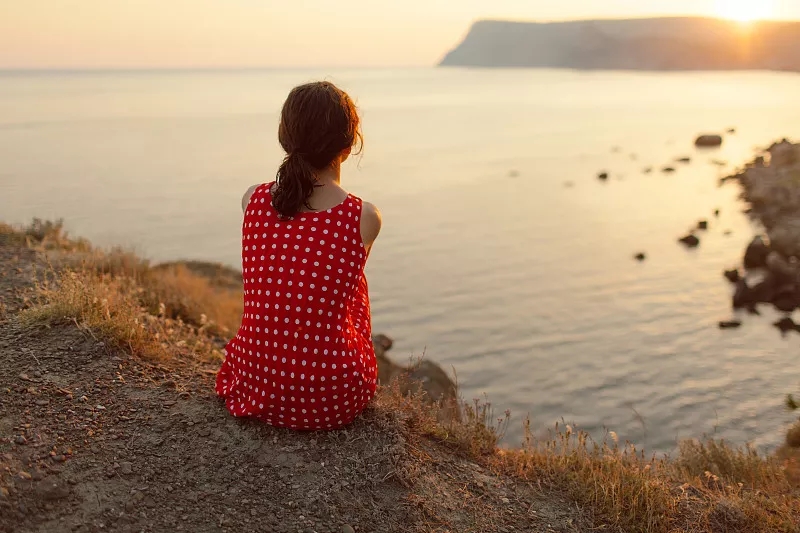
<point>303,357</point>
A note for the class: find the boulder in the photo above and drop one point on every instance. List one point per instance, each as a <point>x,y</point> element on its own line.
<point>787,272</point>
<point>757,251</point>
<point>733,275</point>
<point>691,241</point>
<point>786,324</point>
<point>425,376</point>
<point>784,154</point>
<point>786,300</point>
<point>708,141</point>
<point>746,296</point>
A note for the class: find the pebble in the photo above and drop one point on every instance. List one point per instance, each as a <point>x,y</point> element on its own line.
<point>42,402</point>
<point>3,492</point>
<point>125,467</point>
<point>25,475</point>
<point>348,529</point>
<point>505,500</point>
<point>50,491</point>
<point>20,439</point>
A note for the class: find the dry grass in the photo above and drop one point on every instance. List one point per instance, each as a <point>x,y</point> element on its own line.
<point>107,306</point>
<point>709,487</point>
<point>793,436</point>
<point>196,293</point>
<point>42,234</point>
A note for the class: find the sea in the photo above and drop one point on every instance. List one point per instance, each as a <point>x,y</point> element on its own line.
<point>502,256</point>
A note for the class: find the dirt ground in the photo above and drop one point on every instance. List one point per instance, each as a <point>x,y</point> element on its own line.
<point>93,440</point>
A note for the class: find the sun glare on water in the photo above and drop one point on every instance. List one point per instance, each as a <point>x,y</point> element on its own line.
<point>745,11</point>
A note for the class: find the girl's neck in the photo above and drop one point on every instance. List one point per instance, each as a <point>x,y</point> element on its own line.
<point>330,176</point>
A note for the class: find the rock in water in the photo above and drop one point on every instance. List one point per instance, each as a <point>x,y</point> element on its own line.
<point>786,324</point>
<point>757,252</point>
<point>708,141</point>
<point>729,324</point>
<point>690,241</point>
<point>733,275</point>
<point>426,376</point>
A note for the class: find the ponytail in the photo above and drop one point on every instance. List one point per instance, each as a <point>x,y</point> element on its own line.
<point>295,184</point>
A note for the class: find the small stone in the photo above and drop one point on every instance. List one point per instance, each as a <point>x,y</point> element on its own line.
<point>37,374</point>
<point>84,399</point>
<point>505,500</point>
<point>50,491</point>
<point>37,475</point>
<point>703,224</point>
<point>24,475</point>
<point>3,492</point>
<point>348,529</point>
<point>603,176</point>
<point>690,241</point>
<point>42,402</point>
<point>640,256</point>
<point>24,377</point>
<point>732,275</point>
<point>59,458</point>
<point>125,467</point>
<point>730,324</point>
<point>21,440</point>
<point>668,170</point>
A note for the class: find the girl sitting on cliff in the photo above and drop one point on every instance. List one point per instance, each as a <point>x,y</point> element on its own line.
<point>303,356</point>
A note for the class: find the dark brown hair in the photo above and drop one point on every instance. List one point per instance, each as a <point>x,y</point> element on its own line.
<point>318,122</point>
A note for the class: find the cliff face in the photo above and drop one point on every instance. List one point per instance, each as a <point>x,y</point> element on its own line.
<point>634,44</point>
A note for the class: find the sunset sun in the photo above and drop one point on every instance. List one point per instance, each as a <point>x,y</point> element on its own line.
<point>745,10</point>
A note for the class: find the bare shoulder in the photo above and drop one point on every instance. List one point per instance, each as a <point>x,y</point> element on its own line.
<point>371,221</point>
<point>247,195</point>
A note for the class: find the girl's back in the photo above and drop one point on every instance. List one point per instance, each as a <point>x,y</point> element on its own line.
<point>303,356</point>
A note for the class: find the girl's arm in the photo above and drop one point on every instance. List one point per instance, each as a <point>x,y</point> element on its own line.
<point>246,197</point>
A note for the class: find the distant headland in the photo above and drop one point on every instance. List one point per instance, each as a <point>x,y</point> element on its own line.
<point>657,44</point>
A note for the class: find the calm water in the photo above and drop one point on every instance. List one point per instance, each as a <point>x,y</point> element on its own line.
<point>487,263</point>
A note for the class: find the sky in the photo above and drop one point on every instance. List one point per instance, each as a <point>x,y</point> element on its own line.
<point>293,33</point>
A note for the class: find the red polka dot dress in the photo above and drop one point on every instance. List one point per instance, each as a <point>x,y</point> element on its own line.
<point>303,356</point>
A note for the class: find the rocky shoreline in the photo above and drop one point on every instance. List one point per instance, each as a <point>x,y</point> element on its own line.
<point>771,268</point>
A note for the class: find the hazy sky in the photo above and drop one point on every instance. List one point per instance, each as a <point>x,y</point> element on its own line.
<point>186,33</point>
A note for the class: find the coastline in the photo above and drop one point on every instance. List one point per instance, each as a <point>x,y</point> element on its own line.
<point>771,272</point>
<point>107,365</point>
